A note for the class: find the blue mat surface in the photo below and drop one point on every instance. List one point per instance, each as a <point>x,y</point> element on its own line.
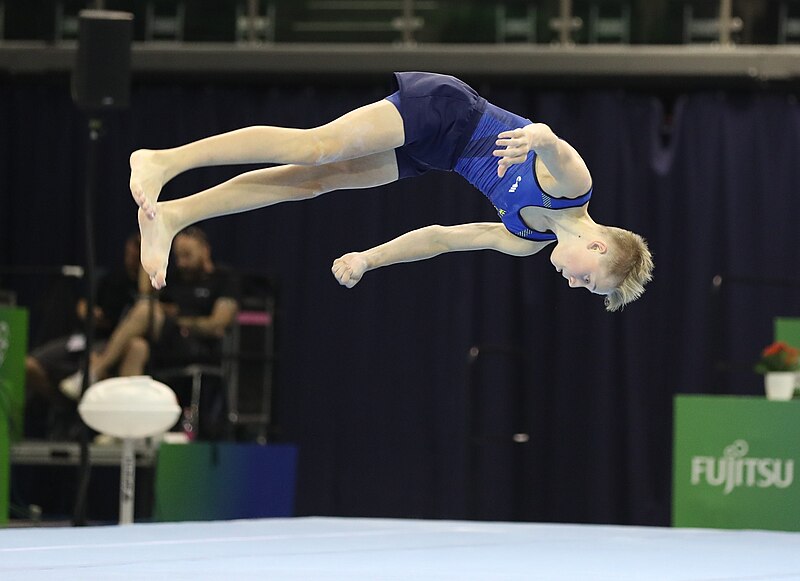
<point>383,549</point>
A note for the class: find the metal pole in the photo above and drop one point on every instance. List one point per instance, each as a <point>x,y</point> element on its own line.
<point>725,21</point>
<point>84,470</point>
<point>477,437</point>
<point>564,36</point>
<point>127,482</point>
<point>728,23</point>
<point>252,14</point>
<point>408,15</point>
<point>565,24</point>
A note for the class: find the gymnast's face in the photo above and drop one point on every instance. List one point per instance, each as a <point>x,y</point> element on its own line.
<point>582,264</point>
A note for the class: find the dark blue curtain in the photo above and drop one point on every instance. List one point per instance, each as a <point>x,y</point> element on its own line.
<point>405,393</point>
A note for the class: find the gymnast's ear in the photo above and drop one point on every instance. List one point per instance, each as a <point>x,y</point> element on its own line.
<point>598,246</point>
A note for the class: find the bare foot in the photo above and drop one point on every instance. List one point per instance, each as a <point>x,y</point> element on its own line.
<point>148,176</point>
<point>157,234</point>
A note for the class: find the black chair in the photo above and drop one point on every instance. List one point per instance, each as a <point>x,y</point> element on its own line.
<point>242,375</point>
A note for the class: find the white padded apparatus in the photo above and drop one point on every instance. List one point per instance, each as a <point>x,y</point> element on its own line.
<point>129,407</point>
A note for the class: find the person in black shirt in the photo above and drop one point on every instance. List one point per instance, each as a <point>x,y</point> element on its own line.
<point>184,325</point>
<point>198,306</point>
<point>50,363</point>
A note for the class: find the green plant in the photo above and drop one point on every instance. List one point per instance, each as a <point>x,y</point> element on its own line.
<point>779,356</point>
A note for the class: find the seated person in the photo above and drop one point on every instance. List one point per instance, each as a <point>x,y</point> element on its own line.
<point>184,325</point>
<point>48,364</point>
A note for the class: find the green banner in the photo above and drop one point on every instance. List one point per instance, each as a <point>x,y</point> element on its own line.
<point>13,347</point>
<point>787,329</point>
<point>734,462</point>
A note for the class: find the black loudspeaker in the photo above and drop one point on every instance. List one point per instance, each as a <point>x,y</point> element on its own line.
<point>101,79</point>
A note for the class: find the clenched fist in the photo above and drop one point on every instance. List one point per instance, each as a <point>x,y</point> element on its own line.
<point>349,269</point>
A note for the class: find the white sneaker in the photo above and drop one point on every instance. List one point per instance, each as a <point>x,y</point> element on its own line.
<point>71,386</point>
<point>106,440</point>
<point>175,438</point>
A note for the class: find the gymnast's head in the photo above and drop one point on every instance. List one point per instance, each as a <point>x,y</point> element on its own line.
<point>608,261</point>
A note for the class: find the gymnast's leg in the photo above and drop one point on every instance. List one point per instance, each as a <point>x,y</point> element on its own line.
<point>251,190</point>
<point>370,129</point>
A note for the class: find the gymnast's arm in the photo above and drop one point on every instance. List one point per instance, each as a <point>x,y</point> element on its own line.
<point>222,315</point>
<point>562,161</point>
<point>432,241</point>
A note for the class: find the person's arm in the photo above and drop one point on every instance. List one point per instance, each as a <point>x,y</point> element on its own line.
<point>432,241</point>
<point>569,171</point>
<point>100,319</point>
<point>214,325</point>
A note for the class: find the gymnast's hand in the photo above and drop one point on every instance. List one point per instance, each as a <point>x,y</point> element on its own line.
<point>517,143</point>
<point>349,269</point>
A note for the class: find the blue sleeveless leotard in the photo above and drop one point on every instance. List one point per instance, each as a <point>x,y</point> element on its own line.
<point>518,188</point>
<point>448,126</point>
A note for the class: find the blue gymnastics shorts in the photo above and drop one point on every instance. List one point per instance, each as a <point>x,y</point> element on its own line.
<point>439,115</point>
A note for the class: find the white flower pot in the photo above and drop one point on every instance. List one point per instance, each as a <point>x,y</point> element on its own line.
<point>779,385</point>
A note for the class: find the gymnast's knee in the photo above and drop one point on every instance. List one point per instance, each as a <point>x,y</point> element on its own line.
<point>326,146</point>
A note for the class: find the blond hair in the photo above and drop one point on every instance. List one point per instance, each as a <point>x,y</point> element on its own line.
<point>631,263</point>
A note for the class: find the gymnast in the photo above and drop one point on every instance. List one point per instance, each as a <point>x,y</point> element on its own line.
<point>537,182</point>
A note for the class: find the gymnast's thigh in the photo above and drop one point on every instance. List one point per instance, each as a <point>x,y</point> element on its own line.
<point>363,172</point>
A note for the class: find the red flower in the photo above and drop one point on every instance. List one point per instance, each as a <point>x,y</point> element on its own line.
<point>779,356</point>
<point>774,349</point>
